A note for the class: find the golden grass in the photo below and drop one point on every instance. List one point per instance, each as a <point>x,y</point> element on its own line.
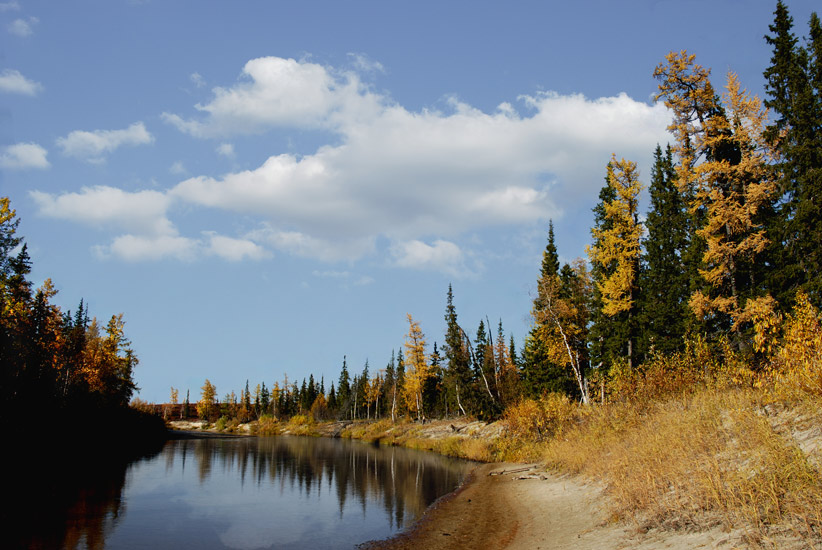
<point>699,460</point>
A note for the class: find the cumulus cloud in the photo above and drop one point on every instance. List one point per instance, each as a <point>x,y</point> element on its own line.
<point>138,248</point>
<point>235,250</point>
<point>9,6</point>
<point>11,81</point>
<point>409,175</point>
<point>278,92</point>
<point>93,146</point>
<point>419,181</point>
<point>142,215</point>
<point>441,256</point>
<point>22,156</point>
<point>22,27</point>
<point>142,212</point>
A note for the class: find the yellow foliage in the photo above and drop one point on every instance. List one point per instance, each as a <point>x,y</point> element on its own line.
<point>619,245</point>
<point>796,364</point>
<point>539,419</point>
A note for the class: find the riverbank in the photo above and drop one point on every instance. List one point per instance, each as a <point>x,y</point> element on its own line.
<point>714,467</point>
<point>521,507</point>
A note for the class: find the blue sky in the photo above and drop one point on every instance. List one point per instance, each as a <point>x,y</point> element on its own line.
<point>264,187</point>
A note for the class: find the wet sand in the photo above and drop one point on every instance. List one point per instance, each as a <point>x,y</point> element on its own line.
<point>514,506</point>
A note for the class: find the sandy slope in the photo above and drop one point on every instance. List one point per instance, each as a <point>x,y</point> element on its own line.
<point>532,510</point>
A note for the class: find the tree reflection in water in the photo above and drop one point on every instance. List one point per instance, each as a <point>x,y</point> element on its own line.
<point>406,481</point>
<point>294,492</point>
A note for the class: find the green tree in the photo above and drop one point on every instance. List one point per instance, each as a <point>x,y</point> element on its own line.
<point>457,376</point>
<point>665,277</point>
<point>794,95</point>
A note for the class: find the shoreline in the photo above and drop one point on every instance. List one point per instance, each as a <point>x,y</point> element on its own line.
<point>522,507</point>
<point>516,506</point>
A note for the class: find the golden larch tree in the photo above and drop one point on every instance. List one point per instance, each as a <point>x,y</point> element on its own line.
<point>724,171</point>
<point>417,368</point>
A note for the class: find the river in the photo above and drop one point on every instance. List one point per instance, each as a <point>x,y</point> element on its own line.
<point>239,493</point>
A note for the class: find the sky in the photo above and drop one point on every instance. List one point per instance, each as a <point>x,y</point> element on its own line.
<point>263,188</point>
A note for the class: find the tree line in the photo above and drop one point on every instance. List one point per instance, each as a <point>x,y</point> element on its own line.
<point>54,362</point>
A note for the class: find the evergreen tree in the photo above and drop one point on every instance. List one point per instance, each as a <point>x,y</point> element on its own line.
<point>793,94</point>
<point>664,278</point>
<point>457,376</point>
<point>539,374</point>
<point>344,391</point>
<point>616,250</point>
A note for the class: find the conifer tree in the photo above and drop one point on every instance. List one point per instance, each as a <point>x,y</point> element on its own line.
<point>615,253</point>
<point>665,278</point>
<point>793,94</point>
<point>344,391</point>
<point>722,156</point>
<point>539,373</point>
<point>457,377</point>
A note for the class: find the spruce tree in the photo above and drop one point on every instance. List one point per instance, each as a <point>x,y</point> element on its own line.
<point>664,279</point>
<point>539,373</point>
<point>457,377</point>
<point>793,94</point>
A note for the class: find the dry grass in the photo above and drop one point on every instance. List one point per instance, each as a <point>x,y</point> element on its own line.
<point>709,458</point>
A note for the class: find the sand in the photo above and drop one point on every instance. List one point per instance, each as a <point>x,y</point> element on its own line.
<point>516,506</point>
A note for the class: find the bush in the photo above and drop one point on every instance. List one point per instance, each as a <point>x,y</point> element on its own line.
<point>537,420</point>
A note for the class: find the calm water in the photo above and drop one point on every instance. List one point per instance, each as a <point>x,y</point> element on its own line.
<point>245,493</point>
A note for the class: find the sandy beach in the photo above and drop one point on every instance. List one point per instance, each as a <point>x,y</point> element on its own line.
<point>516,506</point>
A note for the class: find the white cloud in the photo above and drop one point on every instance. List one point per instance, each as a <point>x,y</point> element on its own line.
<point>11,81</point>
<point>197,79</point>
<point>235,250</point>
<point>92,146</point>
<point>142,212</point>
<point>137,248</point>
<point>22,27</point>
<point>278,92</point>
<point>308,246</point>
<point>225,150</point>
<point>21,156</point>
<point>9,6</point>
<point>441,256</point>
<point>365,64</point>
<point>419,180</point>
<point>409,175</point>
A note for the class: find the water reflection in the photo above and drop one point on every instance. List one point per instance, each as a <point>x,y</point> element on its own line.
<point>279,492</point>
<point>300,492</point>
<point>64,498</point>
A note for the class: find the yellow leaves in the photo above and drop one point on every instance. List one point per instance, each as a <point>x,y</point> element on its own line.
<point>6,213</point>
<point>417,367</point>
<point>617,247</point>
<point>724,164</point>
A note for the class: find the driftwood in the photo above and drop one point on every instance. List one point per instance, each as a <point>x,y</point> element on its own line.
<point>511,471</point>
<point>455,429</point>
